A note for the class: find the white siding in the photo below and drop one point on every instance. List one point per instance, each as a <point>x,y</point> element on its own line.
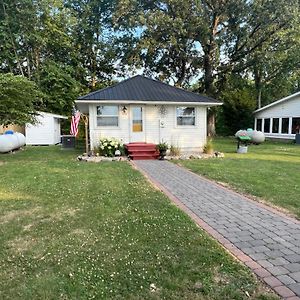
<point>57,131</point>
<point>289,108</point>
<point>286,109</point>
<point>45,132</point>
<point>188,138</point>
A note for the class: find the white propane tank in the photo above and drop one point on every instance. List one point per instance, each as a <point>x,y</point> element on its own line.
<point>14,140</point>
<point>21,139</point>
<point>6,144</point>
<point>257,137</point>
<point>9,142</point>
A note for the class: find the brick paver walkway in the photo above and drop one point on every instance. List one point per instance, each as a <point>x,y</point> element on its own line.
<point>268,239</point>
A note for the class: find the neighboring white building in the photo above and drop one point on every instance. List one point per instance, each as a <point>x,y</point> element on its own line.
<point>140,109</point>
<point>46,132</point>
<point>280,119</point>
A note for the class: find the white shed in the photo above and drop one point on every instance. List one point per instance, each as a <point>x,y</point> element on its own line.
<point>280,119</point>
<point>46,132</point>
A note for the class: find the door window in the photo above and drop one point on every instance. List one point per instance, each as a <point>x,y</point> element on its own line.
<point>137,119</point>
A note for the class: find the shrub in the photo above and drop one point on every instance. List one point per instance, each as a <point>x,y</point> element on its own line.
<point>174,150</point>
<point>208,148</point>
<point>108,146</point>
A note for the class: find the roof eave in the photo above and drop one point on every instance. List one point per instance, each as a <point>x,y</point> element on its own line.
<point>149,102</point>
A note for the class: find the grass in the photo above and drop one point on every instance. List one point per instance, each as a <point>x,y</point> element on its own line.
<point>270,171</point>
<point>74,230</point>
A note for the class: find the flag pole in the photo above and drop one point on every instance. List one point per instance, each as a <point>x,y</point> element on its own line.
<point>85,119</point>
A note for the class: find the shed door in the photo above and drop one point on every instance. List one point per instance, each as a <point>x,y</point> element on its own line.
<point>137,124</point>
<point>56,131</point>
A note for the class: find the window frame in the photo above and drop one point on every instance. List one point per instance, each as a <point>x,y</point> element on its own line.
<point>278,125</point>
<point>264,131</point>
<point>186,126</point>
<point>259,120</point>
<point>108,116</point>
<point>292,132</point>
<point>288,125</point>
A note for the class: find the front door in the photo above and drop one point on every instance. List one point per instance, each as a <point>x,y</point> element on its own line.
<point>137,124</point>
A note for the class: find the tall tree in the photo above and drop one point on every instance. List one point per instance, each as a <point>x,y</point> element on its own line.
<point>212,38</point>
<point>95,57</point>
<point>33,31</point>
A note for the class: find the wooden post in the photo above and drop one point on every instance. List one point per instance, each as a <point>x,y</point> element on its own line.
<point>86,123</point>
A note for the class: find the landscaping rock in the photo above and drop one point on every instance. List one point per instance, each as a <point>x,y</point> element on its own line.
<point>219,154</point>
<point>97,159</point>
<point>198,286</point>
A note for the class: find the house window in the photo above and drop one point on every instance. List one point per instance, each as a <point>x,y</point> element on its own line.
<point>285,125</point>
<point>275,126</point>
<point>295,125</point>
<point>267,126</point>
<point>258,124</point>
<point>108,115</point>
<point>185,116</point>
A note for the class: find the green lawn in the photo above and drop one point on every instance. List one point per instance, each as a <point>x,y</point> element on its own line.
<point>74,230</point>
<point>270,171</point>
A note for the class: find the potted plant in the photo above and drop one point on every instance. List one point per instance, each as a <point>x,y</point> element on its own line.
<point>162,148</point>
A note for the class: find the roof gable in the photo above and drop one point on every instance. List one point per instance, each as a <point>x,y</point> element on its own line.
<point>140,88</point>
<point>278,102</point>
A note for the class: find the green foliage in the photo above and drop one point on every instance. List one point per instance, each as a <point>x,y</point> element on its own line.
<point>174,150</point>
<point>59,44</point>
<point>108,146</point>
<point>161,147</point>
<point>238,109</point>
<point>181,40</point>
<point>70,46</point>
<point>19,98</point>
<point>208,147</point>
<point>60,88</point>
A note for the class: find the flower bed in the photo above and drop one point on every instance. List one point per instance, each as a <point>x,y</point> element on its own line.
<point>108,147</point>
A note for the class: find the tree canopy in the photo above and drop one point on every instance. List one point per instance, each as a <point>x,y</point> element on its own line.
<point>18,99</point>
<point>68,47</point>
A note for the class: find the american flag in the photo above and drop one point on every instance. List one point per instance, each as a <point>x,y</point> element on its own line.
<point>74,122</point>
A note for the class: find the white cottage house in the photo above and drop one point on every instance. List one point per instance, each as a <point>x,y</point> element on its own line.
<point>141,109</point>
<point>46,131</point>
<point>280,119</point>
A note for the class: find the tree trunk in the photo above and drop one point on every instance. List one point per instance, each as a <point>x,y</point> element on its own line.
<point>258,84</point>
<point>259,97</point>
<point>208,74</point>
<point>209,63</point>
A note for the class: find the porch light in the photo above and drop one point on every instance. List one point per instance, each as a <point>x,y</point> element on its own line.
<point>124,109</point>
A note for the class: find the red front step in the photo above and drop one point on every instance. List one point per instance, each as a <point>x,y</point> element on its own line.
<point>139,151</point>
<point>143,156</point>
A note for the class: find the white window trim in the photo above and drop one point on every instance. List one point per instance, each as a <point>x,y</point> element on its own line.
<point>186,126</point>
<point>109,116</point>
<point>256,121</point>
<point>273,123</point>
<point>269,125</point>
<point>289,127</point>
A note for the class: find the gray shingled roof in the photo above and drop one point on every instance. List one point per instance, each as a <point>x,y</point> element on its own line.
<point>140,88</point>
